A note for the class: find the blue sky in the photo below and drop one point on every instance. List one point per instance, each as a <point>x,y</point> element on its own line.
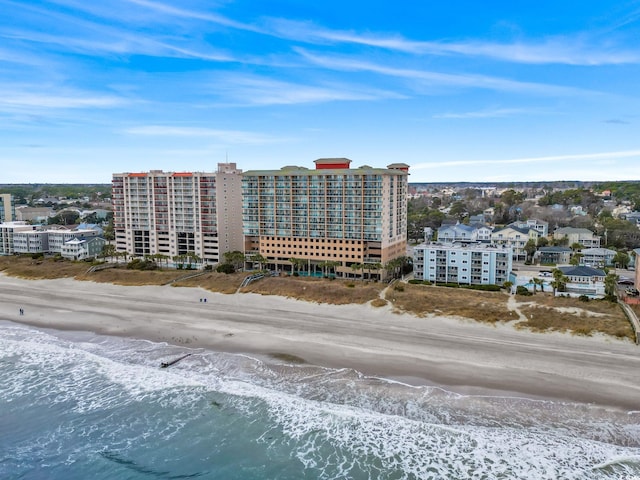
<point>460,90</point>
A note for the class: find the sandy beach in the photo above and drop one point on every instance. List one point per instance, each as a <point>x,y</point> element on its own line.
<point>461,355</point>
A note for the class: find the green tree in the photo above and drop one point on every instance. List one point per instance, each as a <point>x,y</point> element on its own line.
<point>621,259</point>
<point>108,251</point>
<point>530,249</point>
<point>357,266</point>
<point>235,258</point>
<point>259,259</point>
<point>611,285</point>
<point>559,281</point>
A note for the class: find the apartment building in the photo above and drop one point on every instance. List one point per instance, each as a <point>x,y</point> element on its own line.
<point>464,263</point>
<point>50,240</point>
<point>333,213</point>
<point>7,208</point>
<point>7,232</point>
<point>178,213</point>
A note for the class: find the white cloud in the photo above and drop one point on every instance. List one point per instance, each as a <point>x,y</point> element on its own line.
<point>231,136</point>
<point>530,160</point>
<point>493,113</point>
<point>61,100</point>
<point>430,78</point>
<point>261,91</point>
<point>578,49</point>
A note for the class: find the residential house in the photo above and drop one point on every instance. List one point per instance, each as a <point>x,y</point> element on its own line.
<point>456,233</point>
<point>553,255</point>
<point>463,263</point>
<point>516,238</point>
<point>583,280</point>
<point>597,257</point>
<point>82,249</point>
<point>583,236</point>
<point>540,226</point>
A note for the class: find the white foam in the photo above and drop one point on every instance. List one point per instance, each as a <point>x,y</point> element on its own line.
<point>341,422</point>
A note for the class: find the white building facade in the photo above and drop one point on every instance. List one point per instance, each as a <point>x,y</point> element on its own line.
<point>471,264</point>
<point>179,213</point>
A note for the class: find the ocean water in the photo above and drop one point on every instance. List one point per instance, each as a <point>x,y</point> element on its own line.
<point>84,406</point>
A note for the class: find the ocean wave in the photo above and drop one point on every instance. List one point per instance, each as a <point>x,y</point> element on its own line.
<point>336,422</point>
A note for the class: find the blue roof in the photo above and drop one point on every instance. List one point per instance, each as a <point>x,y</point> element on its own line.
<point>582,271</point>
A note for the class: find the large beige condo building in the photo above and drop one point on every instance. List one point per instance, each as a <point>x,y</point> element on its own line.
<point>179,213</point>
<point>346,216</point>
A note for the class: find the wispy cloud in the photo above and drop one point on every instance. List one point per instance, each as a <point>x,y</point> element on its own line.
<point>601,156</point>
<point>66,99</point>
<point>439,79</point>
<point>231,136</point>
<point>578,49</point>
<point>494,113</point>
<point>251,90</point>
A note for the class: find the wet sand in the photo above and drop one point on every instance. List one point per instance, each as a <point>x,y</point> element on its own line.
<point>461,355</point>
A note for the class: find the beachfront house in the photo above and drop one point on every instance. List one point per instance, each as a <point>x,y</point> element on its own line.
<point>582,280</point>
<point>83,249</point>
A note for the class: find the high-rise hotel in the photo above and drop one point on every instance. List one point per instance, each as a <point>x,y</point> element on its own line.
<point>178,213</point>
<point>333,213</point>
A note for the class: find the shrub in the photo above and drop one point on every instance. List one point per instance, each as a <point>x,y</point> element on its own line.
<point>208,267</point>
<point>398,288</point>
<point>350,285</point>
<point>484,288</point>
<point>415,281</point>
<point>137,264</point>
<point>36,256</point>
<point>583,298</point>
<point>296,274</point>
<point>520,290</point>
<point>225,268</point>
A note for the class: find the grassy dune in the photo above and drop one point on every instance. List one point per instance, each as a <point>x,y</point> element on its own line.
<point>543,312</point>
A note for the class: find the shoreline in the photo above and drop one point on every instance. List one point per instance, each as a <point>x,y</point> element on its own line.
<point>457,355</point>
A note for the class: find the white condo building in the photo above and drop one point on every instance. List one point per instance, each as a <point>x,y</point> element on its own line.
<point>179,213</point>
<point>469,263</point>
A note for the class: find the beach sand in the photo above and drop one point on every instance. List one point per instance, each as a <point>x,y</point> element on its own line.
<point>460,355</point>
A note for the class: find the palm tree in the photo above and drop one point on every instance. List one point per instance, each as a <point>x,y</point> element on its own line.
<point>357,266</point>
<point>610,285</point>
<point>259,259</point>
<point>296,263</point>
<point>537,282</point>
<point>559,280</point>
